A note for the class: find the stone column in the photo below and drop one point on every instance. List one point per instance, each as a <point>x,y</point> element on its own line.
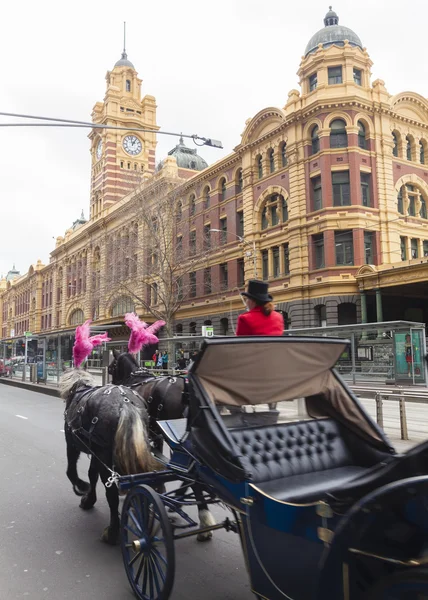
<point>363,300</point>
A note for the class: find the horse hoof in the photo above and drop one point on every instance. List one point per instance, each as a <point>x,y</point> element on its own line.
<point>87,503</point>
<point>204,537</point>
<point>110,538</point>
<point>81,488</point>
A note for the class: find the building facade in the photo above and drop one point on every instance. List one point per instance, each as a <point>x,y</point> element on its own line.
<point>325,198</point>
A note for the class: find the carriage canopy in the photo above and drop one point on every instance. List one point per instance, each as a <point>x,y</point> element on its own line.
<point>251,371</point>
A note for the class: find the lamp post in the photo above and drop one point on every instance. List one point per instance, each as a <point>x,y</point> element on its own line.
<point>244,241</point>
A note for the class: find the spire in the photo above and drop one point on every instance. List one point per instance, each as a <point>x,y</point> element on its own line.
<point>124,62</point>
<point>82,216</point>
<point>181,140</point>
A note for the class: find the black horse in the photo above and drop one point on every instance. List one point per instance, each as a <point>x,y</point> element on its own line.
<point>110,422</point>
<point>166,399</point>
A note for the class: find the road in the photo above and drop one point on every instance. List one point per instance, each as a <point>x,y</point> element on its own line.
<point>50,548</point>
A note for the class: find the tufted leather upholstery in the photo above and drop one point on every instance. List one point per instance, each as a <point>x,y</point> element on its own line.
<point>298,461</point>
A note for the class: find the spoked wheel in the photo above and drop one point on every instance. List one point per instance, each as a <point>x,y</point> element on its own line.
<point>147,544</point>
<point>409,584</point>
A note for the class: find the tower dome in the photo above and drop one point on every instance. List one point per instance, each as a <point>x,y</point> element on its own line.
<point>124,62</point>
<point>332,34</point>
<point>187,158</point>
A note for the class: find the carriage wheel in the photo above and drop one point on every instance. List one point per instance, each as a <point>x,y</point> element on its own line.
<point>147,544</point>
<point>409,584</point>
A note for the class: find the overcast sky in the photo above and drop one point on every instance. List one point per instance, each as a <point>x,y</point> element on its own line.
<point>210,66</point>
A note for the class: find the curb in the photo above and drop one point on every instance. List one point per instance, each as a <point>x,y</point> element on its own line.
<point>31,387</point>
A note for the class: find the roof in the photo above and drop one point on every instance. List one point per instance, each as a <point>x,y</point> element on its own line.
<point>124,62</point>
<point>187,158</point>
<point>332,34</point>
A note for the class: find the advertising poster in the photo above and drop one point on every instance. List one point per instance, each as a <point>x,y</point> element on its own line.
<point>409,357</point>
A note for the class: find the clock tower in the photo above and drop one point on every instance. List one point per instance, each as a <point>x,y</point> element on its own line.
<point>121,158</point>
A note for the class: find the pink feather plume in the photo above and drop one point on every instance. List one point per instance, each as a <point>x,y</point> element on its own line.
<point>84,343</point>
<point>141,333</point>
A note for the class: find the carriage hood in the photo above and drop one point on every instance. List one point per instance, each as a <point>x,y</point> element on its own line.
<point>250,371</point>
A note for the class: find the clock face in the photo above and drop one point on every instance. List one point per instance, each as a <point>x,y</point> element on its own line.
<point>99,149</point>
<point>132,145</point>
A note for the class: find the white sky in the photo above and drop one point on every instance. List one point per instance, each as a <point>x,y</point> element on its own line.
<point>210,66</point>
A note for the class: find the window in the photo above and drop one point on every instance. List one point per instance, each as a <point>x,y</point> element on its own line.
<point>338,135</point>
<point>207,197</point>
<point>362,136</point>
<point>223,229</point>
<point>286,253</point>
<point>365,188</point>
<point>344,247</point>
<point>192,328</point>
<point>155,293</point>
<point>412,201</point>
<point>239,181</point>
<point>334,75</point>
<point>122,306</point>
<point>274,217</point>
<point>179,212</point>
<point>318,242</point>
<point>400,205</point>
<point>207,237</point>
<point>423,210</point>
<point>357,76</point>
<point>284,207</point>
<point>179,329</point>
<point>265,222</point>
<point>316,193</point>
<point>240,223</point>
<point>313,82</point>
<point>223,189</point>
<point>369,247</point>
<point>425,247</point>
<point>179,245</point>
<point>341,188</point>
<point>408,148</point>
<point>207,281</point>
<point>421,153</point>
<point>259,163</point>
<point>192,204</point>
<point>320,316</point>
<point>275,261</point>
<point>129,165</point>
<point>414,248</point>
<point>224,326</point>
<point>224,283</point>
<point>274,207</point>
<point>241,272</point>
<point>77,317</point>
<point>128,85</point>
<point>265,264</point>
<point>192,284</point>
<point>192,242</point>
<point>315,140</point>
<point>284,155</point>
<point>180,288</point>
<point>271,157</point>
<point>403,247</point>
<point>395,147</point>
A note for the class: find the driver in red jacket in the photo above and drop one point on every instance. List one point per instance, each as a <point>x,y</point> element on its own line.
<point>261,318</point>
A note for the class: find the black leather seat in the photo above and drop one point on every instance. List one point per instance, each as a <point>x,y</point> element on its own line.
<point>301,462</point>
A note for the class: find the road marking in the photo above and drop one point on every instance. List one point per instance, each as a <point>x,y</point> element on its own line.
<point>21,417</point>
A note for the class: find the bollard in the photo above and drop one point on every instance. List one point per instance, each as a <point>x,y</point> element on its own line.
<point>403,419</point>
<point>104,375</point>
<point>379,409</point>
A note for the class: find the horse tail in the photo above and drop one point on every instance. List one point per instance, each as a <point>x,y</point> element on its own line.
<point>131,449</point>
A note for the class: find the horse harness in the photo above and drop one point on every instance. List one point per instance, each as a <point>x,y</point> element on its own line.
<point>156,406</point>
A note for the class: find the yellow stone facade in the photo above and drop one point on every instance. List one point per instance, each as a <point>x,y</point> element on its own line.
<point>330,191</point>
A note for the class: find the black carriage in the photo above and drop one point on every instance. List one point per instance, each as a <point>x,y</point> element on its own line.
<point>324,506</point>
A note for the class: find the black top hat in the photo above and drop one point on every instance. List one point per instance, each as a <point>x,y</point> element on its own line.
<point>258,290</point>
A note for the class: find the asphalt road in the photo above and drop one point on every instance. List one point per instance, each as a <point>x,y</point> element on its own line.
<point>51,549</point>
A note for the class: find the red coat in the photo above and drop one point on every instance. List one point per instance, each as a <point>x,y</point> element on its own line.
<point>255,322</point>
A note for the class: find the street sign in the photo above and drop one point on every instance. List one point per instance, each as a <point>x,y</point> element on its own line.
<point>208,331</point>
<point>28,334</point>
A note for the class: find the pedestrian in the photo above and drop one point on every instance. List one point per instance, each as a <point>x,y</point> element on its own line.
<point>261,318</point>
<point>159,360</point>
<point>165,360</point>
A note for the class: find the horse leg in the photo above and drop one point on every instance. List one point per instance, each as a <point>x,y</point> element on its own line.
<point>111,533</point>
<point>206,518</point>
<point>80,487</point>
<point>90,498</point>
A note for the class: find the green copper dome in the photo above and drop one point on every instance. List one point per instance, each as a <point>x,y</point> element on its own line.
<point>332,34</point>
<point>187,158</point>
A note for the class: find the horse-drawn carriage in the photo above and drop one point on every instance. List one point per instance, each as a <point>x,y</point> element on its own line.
<point>324,507</point>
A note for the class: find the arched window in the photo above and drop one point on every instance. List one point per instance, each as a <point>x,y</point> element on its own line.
<point>274,209</point>
<point>239,183</point>
<point>421,152</point>
<point>284,154</point>
<point>320,315</point>
<point>208,322</point>
<point>315,140</point>
<point>346,313</point>
<point>423,210</point>
<point>362,143</point>
<point>77,317</point>
<point>123,305</point>
<point>259,163</point>
<point>207,197</point>
<point>192,204</point>
<point>395,147</point>
<point>400,205</point>
<point>128,85</point>
<point>222,189</point>
<point>271,157</point>
<point>192,328</point>
<point>265,220</point>
<point>338,135</point>
<point>179,329</point>
<point>224,326</point>
<point>408,148</point>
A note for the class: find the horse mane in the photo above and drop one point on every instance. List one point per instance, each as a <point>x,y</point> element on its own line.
<point>74,377</point>
<point>126,365</point>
